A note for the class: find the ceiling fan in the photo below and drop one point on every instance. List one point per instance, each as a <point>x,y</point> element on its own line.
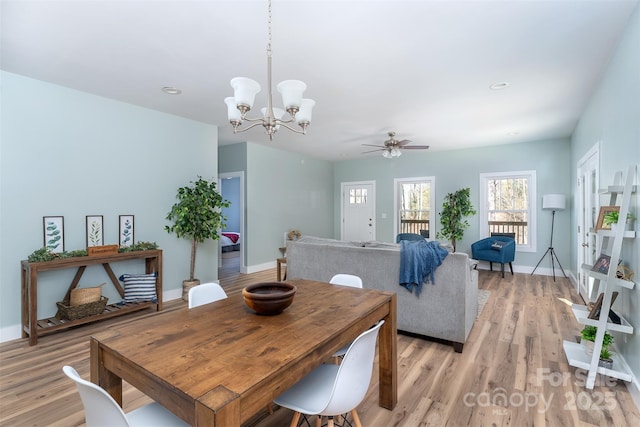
<point>392,147</point>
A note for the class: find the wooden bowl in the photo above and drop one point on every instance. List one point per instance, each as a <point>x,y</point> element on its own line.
<point>269,298</point>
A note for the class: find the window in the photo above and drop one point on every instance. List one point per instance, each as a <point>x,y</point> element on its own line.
<point>357,196</point>
<point>508,205</point>
<point>414,201</point>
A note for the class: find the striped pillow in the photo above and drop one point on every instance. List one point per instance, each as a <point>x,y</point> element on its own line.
<point>139,287</point>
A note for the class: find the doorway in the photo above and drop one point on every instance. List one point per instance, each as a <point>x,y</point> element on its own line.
<point>358,211</point>
<point>587,206</point>
<point>231,252</point>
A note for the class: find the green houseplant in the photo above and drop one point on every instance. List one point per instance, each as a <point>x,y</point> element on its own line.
<point>197,215</point>
<point>611,218</point>
<point>455,207</point>
<point>588,334</point>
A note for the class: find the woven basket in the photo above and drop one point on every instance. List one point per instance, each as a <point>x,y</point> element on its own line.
<point>85,295</point>
<point>73,312</point>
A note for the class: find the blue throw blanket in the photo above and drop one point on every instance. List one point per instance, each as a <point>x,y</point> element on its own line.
<point>418,261</point>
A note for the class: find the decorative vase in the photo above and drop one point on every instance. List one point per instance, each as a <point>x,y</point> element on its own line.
<point>186,285</point>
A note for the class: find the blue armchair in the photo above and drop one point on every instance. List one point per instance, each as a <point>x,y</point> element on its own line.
<point>500,249</point>
<point>408,236</point>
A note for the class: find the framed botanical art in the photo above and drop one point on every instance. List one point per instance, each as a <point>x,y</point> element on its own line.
<point>53,233</point>
<point>603,211</point>
<point>126,230</point>
<point>95,232</point>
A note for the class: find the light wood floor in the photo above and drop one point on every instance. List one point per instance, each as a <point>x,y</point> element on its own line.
<point>512,372</point>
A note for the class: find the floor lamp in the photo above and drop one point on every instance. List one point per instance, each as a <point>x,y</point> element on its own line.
<point>552,202</point>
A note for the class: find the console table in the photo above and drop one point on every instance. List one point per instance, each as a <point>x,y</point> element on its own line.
<point>33,328</point>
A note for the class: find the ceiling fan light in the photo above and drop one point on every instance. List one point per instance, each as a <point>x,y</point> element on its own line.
<point>395,152</point>
<point>386,154</point>
<point>244,91</point>
<point>291,91</point>
<point>303,117</point>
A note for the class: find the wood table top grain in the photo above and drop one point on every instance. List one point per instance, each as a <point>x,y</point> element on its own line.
<point>220,363</point>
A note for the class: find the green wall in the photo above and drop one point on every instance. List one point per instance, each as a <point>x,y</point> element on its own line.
<point>69,153</point>
<point>612,119</point>
<point>462,168</point>
<point>283,191</point>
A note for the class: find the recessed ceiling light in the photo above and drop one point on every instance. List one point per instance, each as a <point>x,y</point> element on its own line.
<point>171,90</point>
<point>499,85</point>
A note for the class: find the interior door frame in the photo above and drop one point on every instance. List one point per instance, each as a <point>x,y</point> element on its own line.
<point>372,198</point>
<point>239,174</point>
<point>585,236</point>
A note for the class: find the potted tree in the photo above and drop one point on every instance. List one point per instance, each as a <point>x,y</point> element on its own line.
<point>455,207</point>
<point>197,215</point>
<point>588,334</point>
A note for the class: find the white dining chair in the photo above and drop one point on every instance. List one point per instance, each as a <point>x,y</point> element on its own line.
<point>346,280</point>
<point>332,390</point>
<point>100,410</point>
<point>205,293</point>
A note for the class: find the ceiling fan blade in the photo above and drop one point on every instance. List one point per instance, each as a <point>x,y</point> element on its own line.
<point>415,147</point>
<point>373,151</point>
<point>371,145</point>
<point>403,142</point>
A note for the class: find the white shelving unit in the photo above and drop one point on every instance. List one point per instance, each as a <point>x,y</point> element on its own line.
<point>611,244</point>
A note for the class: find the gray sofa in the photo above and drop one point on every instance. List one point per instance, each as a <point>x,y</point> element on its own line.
<point>444,310</point>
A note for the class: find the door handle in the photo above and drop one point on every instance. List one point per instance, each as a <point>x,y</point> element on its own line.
<point>585,245</point>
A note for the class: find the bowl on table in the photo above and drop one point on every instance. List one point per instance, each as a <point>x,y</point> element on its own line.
<point>270,297</point>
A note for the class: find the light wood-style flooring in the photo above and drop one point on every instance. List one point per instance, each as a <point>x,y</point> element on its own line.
<point>512,372</point>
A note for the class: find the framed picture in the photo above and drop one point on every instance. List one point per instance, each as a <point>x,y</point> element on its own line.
<point>603,211</point>
<point>602,264</point>
<point>95,233</point>
<point>594,313</point>
<point>126,230</point>
<point>53,233</point>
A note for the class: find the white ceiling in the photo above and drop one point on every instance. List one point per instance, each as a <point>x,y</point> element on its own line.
<point>421,68</point>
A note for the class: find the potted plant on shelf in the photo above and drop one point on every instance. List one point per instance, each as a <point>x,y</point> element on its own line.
<point>455,207</point>
<point>588,339</point>
<point>197,215</point>
<point>611,219</point>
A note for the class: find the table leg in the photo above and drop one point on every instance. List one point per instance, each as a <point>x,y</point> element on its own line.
<point>388,357</point>
<point>102,376</point>
<point>219,407</point>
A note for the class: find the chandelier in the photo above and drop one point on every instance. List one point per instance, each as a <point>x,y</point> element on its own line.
<point>244,93</point>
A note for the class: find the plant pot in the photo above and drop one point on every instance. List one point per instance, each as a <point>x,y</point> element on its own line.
<point>606,363</point>
<point>186,285</point>
<point>588,346</point>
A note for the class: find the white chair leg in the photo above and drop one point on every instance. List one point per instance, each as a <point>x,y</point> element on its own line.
<point>295,419</point>
<point>356,418</point>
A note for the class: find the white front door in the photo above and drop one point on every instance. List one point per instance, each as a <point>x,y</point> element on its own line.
<point>358,211</point>
<point>587,205</point>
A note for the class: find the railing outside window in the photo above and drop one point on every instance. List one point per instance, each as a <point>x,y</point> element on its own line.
<point>517,227</point>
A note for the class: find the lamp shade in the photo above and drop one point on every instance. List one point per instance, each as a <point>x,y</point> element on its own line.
<point>291,91</point>
<point>556,202</point>
<point>304,115</point>
<point>232,110</point>
<point>244,91</point>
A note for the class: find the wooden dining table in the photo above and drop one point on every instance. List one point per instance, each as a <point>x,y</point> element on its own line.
<point>219,364</point>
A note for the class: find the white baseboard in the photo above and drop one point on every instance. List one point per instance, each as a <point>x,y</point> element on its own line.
<point>10,333</point>
<point>261,267</point>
